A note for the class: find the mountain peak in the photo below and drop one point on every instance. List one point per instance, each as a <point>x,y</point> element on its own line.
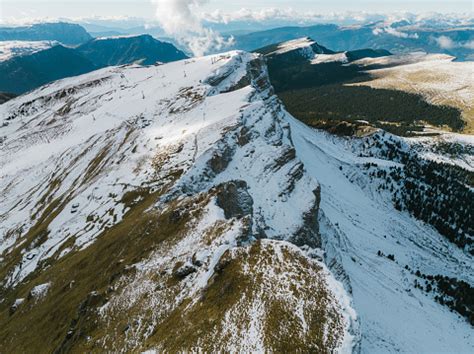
<point>305,46</point>
<point>144,49</point>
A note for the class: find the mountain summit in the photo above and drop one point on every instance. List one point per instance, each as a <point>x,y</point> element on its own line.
<point>144,49</point>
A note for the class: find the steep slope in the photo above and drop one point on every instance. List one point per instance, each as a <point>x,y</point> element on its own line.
<point>384,254</point>
<point>24,73</point>
<point>162,208</point>
<point>129,49</point>
<point>303,63</point>
<point>66,33</point>
<point>300,50</point>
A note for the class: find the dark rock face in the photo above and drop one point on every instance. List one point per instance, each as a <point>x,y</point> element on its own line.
<point>234,198</point>
<point>221,159</point>
<point>184,270</point>
<point>366,53</point>
<point>256,76</point>
<point>308,234</point>
<point>4,97</point>
<point>288,154</point>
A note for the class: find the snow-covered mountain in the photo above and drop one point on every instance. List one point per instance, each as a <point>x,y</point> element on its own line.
<point>180,207</point>
<point>28,65</point>
<point>397,36</point>
<point>306,48</point>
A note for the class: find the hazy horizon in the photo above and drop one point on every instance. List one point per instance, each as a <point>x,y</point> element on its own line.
<point>37,10</point>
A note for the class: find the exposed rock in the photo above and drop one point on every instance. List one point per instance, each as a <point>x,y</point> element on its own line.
<point>288,154</point>
<point>308,234</point>
<point>15,306</point>
<point>221,159</point>
<point>182,271</point>
<point>233,197</point>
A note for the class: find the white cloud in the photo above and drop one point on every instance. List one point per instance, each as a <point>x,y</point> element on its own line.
<point>444,42</point>
<point>182,20</point>
<point>346,17</point>
<point>265,14</point>
<point>469,45</point>
<point>394,32</point>
<point>290,15</point>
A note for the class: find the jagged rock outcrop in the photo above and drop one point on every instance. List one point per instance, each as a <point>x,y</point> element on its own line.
<point>234,198</point>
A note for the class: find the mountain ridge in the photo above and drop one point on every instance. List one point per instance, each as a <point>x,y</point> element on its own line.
<point>23,73</point>
<point>213,236</point>
<point>66,33</point>
<point>26,72</point>
<point>125,50</point>
<point>397,40</point>
<point>213,214</point>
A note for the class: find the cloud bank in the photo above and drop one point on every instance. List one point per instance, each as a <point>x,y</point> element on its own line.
<point>394,32</point>
<point>349,17</point>
<point>444,42</point>
<point>181,20</point>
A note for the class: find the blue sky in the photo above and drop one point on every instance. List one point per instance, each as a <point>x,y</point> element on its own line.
<point>23,9</point>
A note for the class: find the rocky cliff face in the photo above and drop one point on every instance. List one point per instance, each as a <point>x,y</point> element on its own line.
<point>162,208</point>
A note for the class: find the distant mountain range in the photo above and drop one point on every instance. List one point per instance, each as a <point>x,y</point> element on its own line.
<point>395,38</point>
<point>436,34</point>
<point>351,91</point>
<point>23,73</point>
<point>66,33</point>
<point>86,53</point>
